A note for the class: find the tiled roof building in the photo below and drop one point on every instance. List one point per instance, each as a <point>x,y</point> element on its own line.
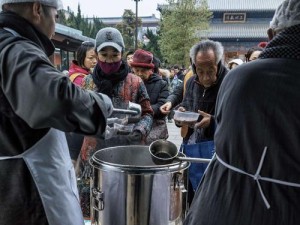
<point>239,24</point>
<point>66,41</point>
<point>243,5</point>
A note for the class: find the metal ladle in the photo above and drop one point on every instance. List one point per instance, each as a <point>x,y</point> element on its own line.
<point>164,152</point>
<point>133,109</point>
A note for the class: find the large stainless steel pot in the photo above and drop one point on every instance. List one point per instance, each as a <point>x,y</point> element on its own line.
<point>128,188</point>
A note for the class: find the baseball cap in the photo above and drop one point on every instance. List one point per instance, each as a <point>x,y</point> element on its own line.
<point>109,36</point>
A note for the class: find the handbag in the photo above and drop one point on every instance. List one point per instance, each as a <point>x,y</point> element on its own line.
<point>159,130</point>
<point>202,149</point>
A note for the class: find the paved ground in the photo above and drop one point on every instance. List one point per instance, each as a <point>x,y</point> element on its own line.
<point>174,134</point>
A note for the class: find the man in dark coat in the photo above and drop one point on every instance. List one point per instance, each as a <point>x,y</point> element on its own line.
<point>202,88</point>
<point>37,103</point>
<point>254,177</point>
<point>200,96</point>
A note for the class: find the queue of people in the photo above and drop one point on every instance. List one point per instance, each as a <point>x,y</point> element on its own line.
<point>252,120</point>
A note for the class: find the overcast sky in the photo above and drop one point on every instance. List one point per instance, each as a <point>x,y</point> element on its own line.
<point>113,8</point>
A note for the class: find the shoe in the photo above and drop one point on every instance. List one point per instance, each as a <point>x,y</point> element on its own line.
<point>170,121</point>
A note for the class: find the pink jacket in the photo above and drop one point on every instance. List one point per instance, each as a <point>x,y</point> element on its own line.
<point>77,73</point>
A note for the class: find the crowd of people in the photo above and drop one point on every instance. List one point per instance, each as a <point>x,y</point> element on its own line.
<point>247,108</point>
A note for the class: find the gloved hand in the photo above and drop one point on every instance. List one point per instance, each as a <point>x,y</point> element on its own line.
<point>107,104</point>
<point>135,137</point>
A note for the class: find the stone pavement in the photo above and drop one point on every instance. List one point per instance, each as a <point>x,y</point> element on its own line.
<point>174,134</point>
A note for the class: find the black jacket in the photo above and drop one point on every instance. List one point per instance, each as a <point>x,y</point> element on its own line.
<point>197,97</point>
<point>257,107</point>
<point>176,96</point>
<point>158,92</point>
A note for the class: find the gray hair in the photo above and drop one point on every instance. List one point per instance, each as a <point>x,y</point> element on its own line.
<point>286,15</point>
<point>206,45</point>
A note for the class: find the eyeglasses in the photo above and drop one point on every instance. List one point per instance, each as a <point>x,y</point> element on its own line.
<point>88,44</point>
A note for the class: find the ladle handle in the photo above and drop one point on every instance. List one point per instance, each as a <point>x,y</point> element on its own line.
<point>196,160</point>
<point>126,111</point>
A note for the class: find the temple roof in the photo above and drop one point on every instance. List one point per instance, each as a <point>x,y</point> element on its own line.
<point>71,32</point>
<point>236,31</point>
<point>116,20</point>
<point>243,5</point>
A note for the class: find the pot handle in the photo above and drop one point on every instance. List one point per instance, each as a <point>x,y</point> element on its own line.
<point>194,160</point>
<point>98,197</point>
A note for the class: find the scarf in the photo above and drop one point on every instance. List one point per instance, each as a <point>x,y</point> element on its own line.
<point>26,30</point>
<point>105,83</point>
<point>286,45</point>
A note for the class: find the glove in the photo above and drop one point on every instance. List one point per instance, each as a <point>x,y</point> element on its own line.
<point>107,103</point>
<point>135,137</point>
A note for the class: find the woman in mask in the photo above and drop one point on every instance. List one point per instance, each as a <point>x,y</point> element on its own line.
<point>112,77</point>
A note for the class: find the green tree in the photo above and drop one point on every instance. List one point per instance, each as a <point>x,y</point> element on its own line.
<point>79,20</point>
<point>71,20</point>
<point>152,45</point>
<point>127,28</point>
<point>95,26</point>
<point>180,24</point>
<point>89,27</point>
<point>62,16</point>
